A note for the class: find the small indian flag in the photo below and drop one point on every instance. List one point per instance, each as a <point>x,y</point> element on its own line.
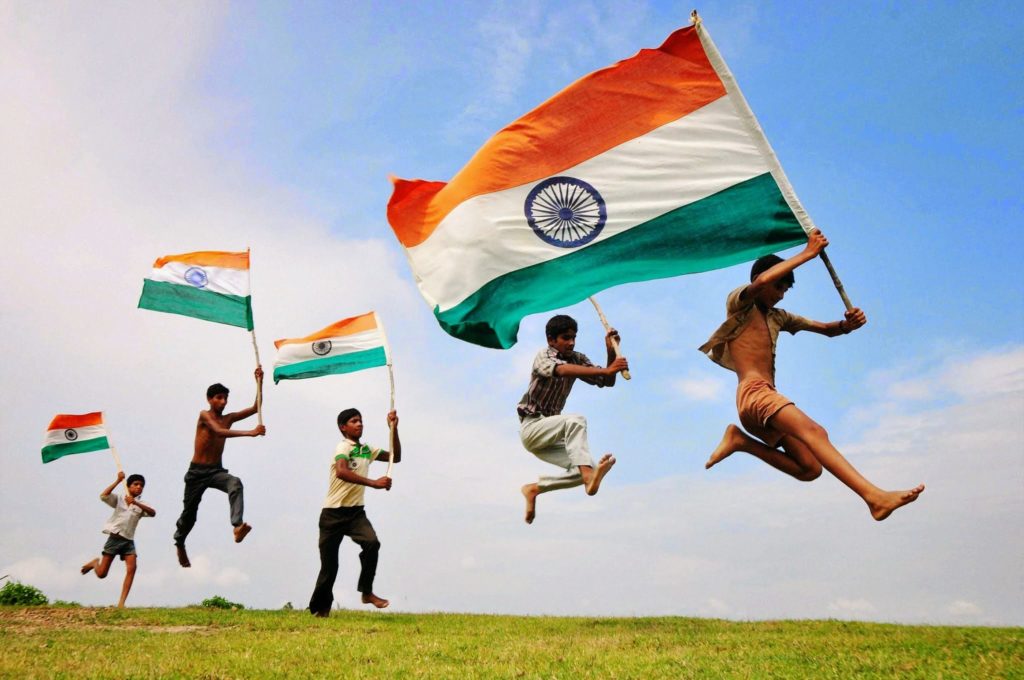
<point>344,347</point>
<point>68,434</point>
<point>650,168</point>
<point>208,285</point>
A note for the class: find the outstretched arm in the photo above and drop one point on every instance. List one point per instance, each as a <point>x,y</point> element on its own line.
<point>383,455</point>
<point>217,429</point>
<point>245,413</point>
<point>110,489</point>
<point>816,242</point>
<point>342,472</point>
<point>855,318</point>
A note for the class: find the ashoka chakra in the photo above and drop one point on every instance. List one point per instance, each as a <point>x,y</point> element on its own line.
<point>565,212</point>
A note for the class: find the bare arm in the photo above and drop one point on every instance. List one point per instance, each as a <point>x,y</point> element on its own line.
<point>383,455</point>
<point>816,243</point>
<point>217,429</point>
<point>608,373</point>
<point>247,412</point>
<point>146,510</point>
<point>110,489</point>
<point>855,318</point>
<point>342,472</point>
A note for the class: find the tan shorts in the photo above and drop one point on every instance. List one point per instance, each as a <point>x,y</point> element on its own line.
<point>757,401</point>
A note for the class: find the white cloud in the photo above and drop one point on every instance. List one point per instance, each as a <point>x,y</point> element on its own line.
<point>700,388</point>
<point>854,608</point>
<point>963,608</point>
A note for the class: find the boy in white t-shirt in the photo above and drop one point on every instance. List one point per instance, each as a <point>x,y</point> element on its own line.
<point>128,510</point>
<point>343,513</point>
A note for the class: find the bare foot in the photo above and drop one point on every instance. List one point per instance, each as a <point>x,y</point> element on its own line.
<point>884,505</point>
<point>183,556</point>
<point>729,445</point>
<point>603,466</point>
<point>378,602</point>
<point>241,531</point>
<point>530,492</point>
<point>88,566</point>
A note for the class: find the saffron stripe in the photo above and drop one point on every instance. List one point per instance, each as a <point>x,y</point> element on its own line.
<point>350,326</point>
<point>212,258</point>
<point>66,421</point>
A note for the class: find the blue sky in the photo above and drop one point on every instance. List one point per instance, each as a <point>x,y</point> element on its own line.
<point>140,131</point>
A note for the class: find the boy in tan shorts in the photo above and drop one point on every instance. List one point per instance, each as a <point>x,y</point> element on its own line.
<point>745,343</point>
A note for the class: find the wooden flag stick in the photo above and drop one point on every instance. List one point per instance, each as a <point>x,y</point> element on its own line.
<point>391,440</point>
<point>259,384</point>
<point>615,342</point>
<point>113,451</point>
<point>836,281</point>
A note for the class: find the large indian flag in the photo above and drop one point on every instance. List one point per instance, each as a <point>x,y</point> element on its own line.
<point>343,347</point>
<point>650,168</point>
<point>208,285</point>
<point>68,434</point>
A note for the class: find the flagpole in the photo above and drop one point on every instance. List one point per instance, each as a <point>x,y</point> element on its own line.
<point>256,348</point>
<point>607,328</point>
<point>391,382</point>
<point>754,128</point>
<point>113,451</point>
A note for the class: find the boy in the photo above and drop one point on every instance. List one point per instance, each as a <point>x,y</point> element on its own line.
<point>343,513</point>
<point>206,470</point>
<point>562,439</point>
<point>745,343</point>
<point>128,510</point>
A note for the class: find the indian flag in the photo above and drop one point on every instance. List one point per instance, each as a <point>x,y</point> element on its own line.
<point>344,347</point>
<point>208,285</point>
<point>68,434</point>
<point>650,168</point>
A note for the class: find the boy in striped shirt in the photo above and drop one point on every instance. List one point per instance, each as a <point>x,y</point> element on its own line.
<point>558,439</point>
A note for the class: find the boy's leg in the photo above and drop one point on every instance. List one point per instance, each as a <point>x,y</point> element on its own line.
<point>129,576</point>
<point>222,480</point>
<point>797,460</point>
<point>795,423</point>
<point>101,565</point>
<point>362,532</point>
<point>333,526</point>
<point>195,485</point>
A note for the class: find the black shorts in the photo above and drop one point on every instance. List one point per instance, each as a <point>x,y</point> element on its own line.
<point>119,545</point>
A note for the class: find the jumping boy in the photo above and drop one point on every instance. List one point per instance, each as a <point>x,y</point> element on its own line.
<point>745,343</point>
<point>206,470</point>
<point>561,440</point>
<point>128,510</point>
<point>343,513</point>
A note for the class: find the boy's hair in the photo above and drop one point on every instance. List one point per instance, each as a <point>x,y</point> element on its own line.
<point>347,415</point>
<point>560,324</point>
<point>135,478</point>
<point>215,389</point>
<point>763,264</point>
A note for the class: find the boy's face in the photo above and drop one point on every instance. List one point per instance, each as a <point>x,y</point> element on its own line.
<point>135,488</point>
<point>218,402</point>
<point>353,428</point>
<point>773,294</point>
<point>563,343</point>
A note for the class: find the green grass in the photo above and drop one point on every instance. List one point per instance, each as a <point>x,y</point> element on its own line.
<point>203,643</point>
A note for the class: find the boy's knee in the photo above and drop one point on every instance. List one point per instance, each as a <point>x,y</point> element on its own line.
<point>234,484</point>
<point>575,422</point>
<point>370,546</point>
<point>809,474</point>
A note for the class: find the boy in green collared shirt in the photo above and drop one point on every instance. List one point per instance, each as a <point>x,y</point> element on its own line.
<point>343,513</point>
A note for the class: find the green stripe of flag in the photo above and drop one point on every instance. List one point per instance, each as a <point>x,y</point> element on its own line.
<point>55,451</point>
<point>735,225</point>
<point>343,363</point>
<point>173,298</point>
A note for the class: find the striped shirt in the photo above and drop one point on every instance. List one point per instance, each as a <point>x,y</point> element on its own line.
<point>547,392</point>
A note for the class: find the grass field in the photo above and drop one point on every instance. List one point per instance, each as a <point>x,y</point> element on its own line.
<point>204,643</point>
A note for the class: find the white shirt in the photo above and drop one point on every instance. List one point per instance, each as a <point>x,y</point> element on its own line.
<point>125,517</point>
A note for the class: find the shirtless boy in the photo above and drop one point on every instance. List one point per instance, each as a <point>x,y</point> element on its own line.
<point>745,343</point>
<point>548,434</point>
<point>206,471</point>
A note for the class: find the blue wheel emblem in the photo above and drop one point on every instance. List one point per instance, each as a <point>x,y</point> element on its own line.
<point>196,276</point>
<point>565,212</point>
<point>70,435</point>
<point>321,347</point>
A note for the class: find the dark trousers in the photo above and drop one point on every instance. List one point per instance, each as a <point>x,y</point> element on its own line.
<point>335,524</point>
<point>198,479</point>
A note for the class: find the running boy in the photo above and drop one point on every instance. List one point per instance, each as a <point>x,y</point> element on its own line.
<point>745,343</point>
<point>128,510</point>
<point>343,513</point>
<point>206,469</point>
<point>562,439</point>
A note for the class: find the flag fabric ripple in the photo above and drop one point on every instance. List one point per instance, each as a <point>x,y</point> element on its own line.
<point>208,285</point>
<point>343,347</point>
<point>69,434</point>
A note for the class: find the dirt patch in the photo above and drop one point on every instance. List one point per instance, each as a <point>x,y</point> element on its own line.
<point>36,619</point>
